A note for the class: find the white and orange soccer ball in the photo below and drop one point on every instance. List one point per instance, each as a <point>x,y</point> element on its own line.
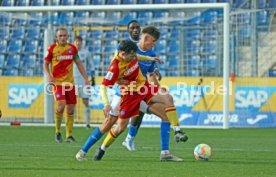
<point>203,152</point>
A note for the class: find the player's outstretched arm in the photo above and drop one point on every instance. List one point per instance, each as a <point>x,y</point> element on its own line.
<point>82,71</point>
<point>147,58</point>
<point>103,93</point>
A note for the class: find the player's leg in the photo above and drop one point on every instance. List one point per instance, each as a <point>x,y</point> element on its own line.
<point>71,101</point>
<point>111,137</point>
<point>87,112</point>
<point>97,133</point>
<point>61,103</point>
<point>84,94</point>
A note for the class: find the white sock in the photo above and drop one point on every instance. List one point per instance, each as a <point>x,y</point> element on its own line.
<point>165,151</point>
<point>176,128</point>
<point>103,147</point>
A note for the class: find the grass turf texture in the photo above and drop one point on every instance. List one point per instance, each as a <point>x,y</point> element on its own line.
<point>31,151</point>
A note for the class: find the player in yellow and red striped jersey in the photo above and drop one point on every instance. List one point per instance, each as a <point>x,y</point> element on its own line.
<point>60,58</point>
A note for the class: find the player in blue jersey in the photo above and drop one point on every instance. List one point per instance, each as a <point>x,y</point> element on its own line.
<point>145,46</point>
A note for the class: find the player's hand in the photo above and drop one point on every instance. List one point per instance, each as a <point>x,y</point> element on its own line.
<point>158,74</point>
<point>87,82</point>
<point>51,80</point>
<point>106,110</point>
<point>157,60</point>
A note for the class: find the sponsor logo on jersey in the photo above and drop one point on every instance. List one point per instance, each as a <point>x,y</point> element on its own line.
<point>131,69</point>
<point>65,57</point>
<point>109,75</point>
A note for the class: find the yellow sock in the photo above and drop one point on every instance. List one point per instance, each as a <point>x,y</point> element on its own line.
<point>109,139</point>
<point>69,124</point>
<point>58,121</point>
<point>172,115</point>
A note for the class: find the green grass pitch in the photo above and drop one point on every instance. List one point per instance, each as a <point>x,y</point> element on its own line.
<point>32,152</point>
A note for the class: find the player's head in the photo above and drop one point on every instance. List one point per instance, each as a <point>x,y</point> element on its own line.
<point>78,42</point>
<point>127,50</point>
<point>62,36</point>
<point>150,35</point>
<point>134,29</point>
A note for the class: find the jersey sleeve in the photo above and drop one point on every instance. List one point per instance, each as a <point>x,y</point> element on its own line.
<point>112,74</point>
<point>75,51</point>
<point>49,56</point>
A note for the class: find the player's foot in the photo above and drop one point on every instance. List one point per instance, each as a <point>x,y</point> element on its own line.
<point>80,156</point>
<point>88,126</point>
<point>129,145</point>
<point>99,154</point>
<point>70,139</point>
<point>180,136</point>
<point>169,157</point>
<point>58,138</point>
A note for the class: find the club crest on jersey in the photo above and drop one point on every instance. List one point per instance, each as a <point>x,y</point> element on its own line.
<point>122,112</point>
<point>70,51</point>
<point>131,69</point>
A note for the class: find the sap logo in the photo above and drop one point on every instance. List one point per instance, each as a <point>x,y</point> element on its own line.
<point>186,97</point>
<point>23,95</point>
<point>218,118</point>
<point>250,98</point>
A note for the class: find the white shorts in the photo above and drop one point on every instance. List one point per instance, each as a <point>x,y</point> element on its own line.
<point>81,88</point>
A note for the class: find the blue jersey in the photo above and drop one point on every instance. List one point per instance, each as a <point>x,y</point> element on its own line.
<point>145,65</point>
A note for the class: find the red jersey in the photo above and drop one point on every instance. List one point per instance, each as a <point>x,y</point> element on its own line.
<point>130,71</point>
<point>62,57</point>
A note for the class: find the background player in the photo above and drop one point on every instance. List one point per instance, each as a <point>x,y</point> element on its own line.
<point>85,58</point>
<point>58,66</point>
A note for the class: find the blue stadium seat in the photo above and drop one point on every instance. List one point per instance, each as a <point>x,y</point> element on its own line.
<point>193,46</point>
<point>82,2</point>
<point>113,2</point>
<point>174,46</point>
<point>113,16</point>
<point>130,16</point>
<point>111,35</point>
<point>10,72</point>
<point>177,1</point>
<point>178,17</point>
<point>110,46</point>
<point>242,4</point>
<point>262,4</point>
<point>37,2</point>
<point>98,15</point>
<point>106,59</point>
<point>193,34</point>
<point>210,17</point>
<point>15,46</point>
<point>124,35</point>
<point>3,46</point>
<point>54,19</point>
<point>129,1</point>
<point>271,4</point>
<point>5,19</point>
<point>163,33</point>
<point>66,18</point>
<point>262,17</point>
<point>210,34</point>
<point>29,61</point>
<point>21,19</point>
<point>31,46</point>
<point>193,1</point>
<point>192,73</point>
<point>22,3</point>
<point>96,61</point>
<point>173,73</point>
<point>210,62</point>
<point>245,33</point>
<point>145,16</point>
<point>84,34</point>
<point>209,47</point>
<point>174,34</point>
<point>194,18</point>
<point>2,61</point>
<point>13,61</point>
<point>18,33</point>
<point>36,18</point>
<point>161,1</point>
<point>95,34</point>
<point>7,3</point>
<point>161,16</point>
<point>4,33</point>
<point>95,46</point>
<point>28,72</point>
<point>67,2</point>
<point>98,2</point>
<point>193,61</point>
<point>161,46</point>
<point>33,33</point>
<point>144,1</point>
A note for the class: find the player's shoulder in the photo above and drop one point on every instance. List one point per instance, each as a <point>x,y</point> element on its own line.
<point>72,46</point>
<point>52,46</point>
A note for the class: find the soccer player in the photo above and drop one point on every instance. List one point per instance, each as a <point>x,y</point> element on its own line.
<point>150,35</point>
<point>58,66</point>
<point>79,81</point>
<point>125,66</point>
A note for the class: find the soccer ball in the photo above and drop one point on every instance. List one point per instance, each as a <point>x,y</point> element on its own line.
<point>203,152</point>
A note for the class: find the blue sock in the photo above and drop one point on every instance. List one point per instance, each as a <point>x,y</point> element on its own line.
<point>165,135</point>
<point>132,130</point>
<point>92,139</point>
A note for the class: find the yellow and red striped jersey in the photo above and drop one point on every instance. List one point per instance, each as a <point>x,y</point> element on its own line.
<point>62,57</point>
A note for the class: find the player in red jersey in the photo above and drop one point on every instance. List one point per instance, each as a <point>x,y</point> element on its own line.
<point>58,66</point>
